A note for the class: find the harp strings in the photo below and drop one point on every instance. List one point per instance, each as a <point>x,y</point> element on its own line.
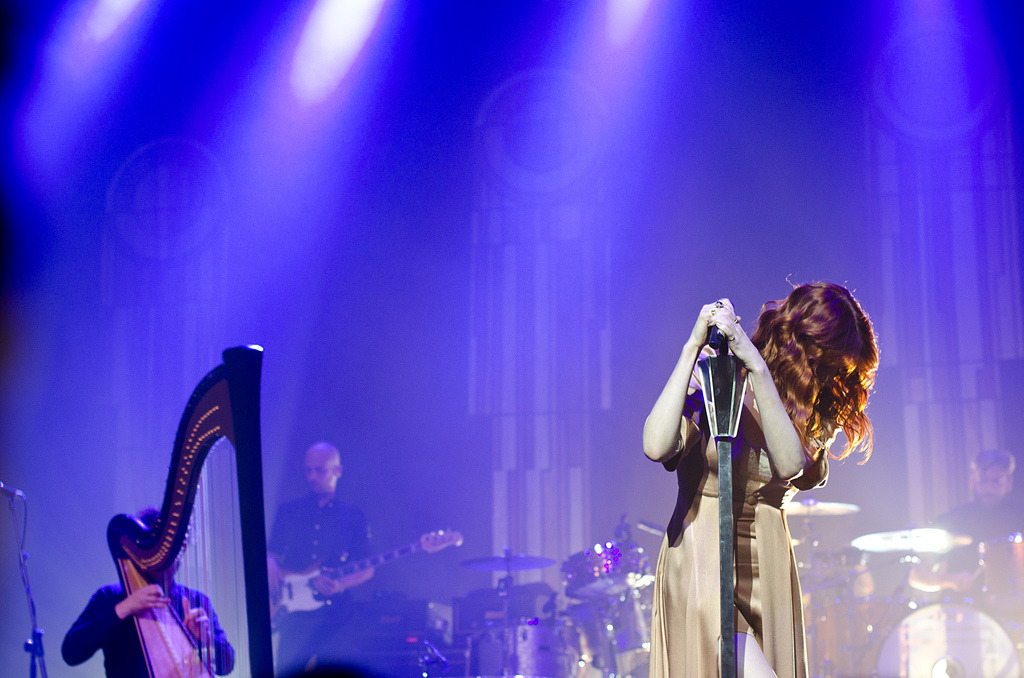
<point>213,557</point>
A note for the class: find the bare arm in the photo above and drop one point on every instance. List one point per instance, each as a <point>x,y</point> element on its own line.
<point>667,431</point>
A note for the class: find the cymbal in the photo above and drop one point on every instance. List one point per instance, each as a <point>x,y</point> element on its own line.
<point>507,563</point>
<point>919,540</point>
<point>813,508</point>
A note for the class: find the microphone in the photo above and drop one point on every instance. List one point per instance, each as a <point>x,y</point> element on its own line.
<point>717,340</point>
<point>10,492</point>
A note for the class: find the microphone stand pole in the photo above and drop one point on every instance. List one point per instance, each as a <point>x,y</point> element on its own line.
<point>724,381</point>
<point>34,645</point>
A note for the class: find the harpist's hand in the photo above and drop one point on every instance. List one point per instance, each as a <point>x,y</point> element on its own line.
<point>198,624</point>
<point>146,598</point>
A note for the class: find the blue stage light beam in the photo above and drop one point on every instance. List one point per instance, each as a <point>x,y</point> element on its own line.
<point>78,71</point>
<point>333,38</point>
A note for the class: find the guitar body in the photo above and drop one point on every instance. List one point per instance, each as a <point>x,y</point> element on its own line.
<point>298,594</point>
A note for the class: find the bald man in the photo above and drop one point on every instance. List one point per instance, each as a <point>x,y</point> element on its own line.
<point>312,535</point>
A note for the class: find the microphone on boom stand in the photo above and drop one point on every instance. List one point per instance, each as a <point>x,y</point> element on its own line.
<point>10,492</point>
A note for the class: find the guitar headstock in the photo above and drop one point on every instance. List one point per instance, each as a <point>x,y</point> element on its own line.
<point>432,542</point>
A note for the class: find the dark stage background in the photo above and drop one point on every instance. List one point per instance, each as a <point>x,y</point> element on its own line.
<point>171,192</point>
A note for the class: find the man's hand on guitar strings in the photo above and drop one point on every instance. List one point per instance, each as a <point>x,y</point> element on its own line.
<point>328,586</point>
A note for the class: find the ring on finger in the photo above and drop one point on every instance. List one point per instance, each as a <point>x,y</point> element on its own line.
<point>719,304</point>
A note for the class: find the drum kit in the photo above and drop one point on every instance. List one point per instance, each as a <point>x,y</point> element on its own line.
<point>602,632</point>
<point>852,632</point>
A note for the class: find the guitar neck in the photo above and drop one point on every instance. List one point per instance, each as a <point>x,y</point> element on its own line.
<point>379,559</point>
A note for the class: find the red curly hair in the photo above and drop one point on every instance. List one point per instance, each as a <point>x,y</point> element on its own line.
<point>820,348</point>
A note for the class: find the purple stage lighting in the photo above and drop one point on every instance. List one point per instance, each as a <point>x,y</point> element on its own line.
<point>332,39</point>
<point>107,16</point>
<point>624,18</point>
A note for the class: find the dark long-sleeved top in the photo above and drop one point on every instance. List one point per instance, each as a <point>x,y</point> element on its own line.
<point>304,535</point>
<point>99,628</point>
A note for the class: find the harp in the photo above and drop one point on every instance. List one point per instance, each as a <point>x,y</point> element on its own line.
<point>225,405</point>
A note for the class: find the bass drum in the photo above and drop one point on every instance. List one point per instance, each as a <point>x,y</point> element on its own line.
<point>842,632</point>
<point>948,640</point>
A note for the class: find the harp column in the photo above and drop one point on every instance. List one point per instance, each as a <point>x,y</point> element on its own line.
<point>539,317</point>
<point>943,197</point>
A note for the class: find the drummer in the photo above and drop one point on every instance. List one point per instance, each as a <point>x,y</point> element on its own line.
<point>990,518</point>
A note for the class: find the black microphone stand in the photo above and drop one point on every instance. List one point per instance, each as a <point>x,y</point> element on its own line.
<point>34,645</point>
<point>724,382</point>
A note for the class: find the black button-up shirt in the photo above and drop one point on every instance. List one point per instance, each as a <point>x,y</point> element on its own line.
<point>306,534</point>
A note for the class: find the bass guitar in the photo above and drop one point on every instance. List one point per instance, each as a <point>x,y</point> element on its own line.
<point>299,594</point>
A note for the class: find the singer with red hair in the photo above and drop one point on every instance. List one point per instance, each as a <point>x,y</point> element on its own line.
<point>811,363</point>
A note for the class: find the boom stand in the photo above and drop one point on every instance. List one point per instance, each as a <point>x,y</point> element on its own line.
<point>724,382</point>
<point>34,645</point>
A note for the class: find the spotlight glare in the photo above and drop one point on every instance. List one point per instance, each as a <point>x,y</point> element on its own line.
<point>624,17</point>
<point>333,36</point>
<point>107,15</point>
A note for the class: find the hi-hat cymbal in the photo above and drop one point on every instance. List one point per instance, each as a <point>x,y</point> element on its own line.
<point>813,508</point>
<point>507,563</point>
<point>920,540</point>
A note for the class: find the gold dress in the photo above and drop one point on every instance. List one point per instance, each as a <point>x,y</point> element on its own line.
<point>685,623</point>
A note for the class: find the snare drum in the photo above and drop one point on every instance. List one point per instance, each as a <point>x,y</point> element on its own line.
<point>606,570</point>
<point>948,640</point>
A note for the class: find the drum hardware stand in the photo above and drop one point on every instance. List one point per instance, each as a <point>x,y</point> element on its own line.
<point>724,381</point>
<point>815,595</point>
<point>608,617</point>
<point>34,645</point>
<point>627,604</point>
<point>637,611</point>
<point>509,656</point>
<point>611,616</point>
